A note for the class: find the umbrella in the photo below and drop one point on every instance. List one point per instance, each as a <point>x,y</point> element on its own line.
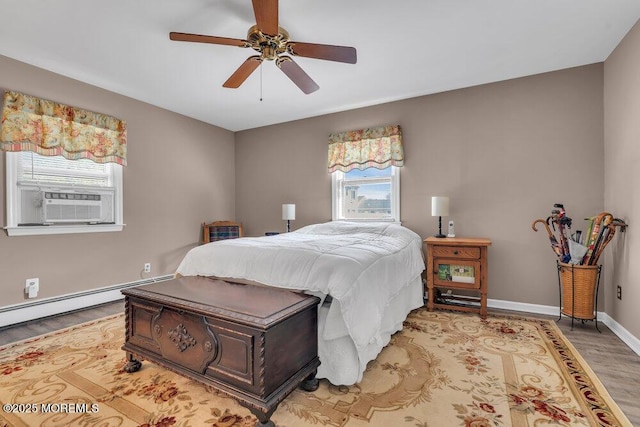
<point>555,246</point>
<point>577,252</point>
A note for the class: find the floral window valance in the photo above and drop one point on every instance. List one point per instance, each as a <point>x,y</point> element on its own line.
<point>53,129</point>
<point>378,147</point>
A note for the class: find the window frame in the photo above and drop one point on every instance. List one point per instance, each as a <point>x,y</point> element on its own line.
<point>12,228</point>
<point>337,177</point>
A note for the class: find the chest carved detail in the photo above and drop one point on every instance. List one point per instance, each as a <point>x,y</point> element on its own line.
<point>181,337</point>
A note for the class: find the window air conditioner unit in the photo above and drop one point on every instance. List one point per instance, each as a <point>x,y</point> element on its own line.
<point>71,206</point>
<point>66,205</point>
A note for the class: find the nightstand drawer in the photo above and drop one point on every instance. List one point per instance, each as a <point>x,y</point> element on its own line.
<point>453,252</point>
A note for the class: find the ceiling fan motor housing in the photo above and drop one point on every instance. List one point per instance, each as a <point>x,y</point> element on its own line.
<point>269,46</point>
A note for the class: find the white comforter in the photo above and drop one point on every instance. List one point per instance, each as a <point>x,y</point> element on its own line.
<point>362,266</point>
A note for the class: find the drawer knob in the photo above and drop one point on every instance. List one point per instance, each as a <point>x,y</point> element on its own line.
<point>455,252</point>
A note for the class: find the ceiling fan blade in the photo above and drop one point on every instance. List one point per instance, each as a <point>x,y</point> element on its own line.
<point>244,71</point>
<point>266,12</point>
<point>197,38</point>
<point>297,74</point>
<point>323,51</point>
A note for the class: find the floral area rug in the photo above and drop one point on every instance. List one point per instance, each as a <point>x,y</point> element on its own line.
<point>443,369</point>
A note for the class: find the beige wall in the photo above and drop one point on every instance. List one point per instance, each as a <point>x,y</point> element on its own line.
<point>622,175</point>
<point>504,153</point>
<point>180,172</point>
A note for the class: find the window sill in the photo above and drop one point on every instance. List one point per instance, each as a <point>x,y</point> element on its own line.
<point>37,230</point>
<point>390,220</point>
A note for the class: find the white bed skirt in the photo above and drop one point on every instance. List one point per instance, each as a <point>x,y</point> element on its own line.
<point>339,361</point>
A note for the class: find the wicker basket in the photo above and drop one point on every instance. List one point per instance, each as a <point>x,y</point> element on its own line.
<point>579,285</point>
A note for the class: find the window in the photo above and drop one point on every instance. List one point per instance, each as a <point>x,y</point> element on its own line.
<point>366,195</point>
<point>53,195</point>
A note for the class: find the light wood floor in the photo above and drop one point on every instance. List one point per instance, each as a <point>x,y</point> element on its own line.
<point>615,364</point>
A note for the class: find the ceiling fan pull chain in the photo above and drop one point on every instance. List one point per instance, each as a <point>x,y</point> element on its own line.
<point>261,82</point>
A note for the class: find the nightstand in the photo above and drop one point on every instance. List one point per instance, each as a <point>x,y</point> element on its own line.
<point>457,264</point>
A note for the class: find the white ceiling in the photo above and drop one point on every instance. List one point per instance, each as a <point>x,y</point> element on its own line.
<point>406,48</point>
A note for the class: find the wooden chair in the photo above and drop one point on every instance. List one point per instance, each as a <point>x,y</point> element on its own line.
<point>221,230</point>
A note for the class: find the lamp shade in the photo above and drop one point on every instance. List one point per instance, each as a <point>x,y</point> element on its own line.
<point>288,211</point>
<point>439,206</point>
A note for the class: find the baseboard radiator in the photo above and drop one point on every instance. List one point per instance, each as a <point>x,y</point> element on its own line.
<point>24,312</point>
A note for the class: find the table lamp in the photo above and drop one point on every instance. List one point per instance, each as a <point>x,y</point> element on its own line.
<point>288,214</point>
<point>439,208</point>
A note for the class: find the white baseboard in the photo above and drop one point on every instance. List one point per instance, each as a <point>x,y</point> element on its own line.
<point>626,336</point>
<point>23,312</point>
<point>548,310</point>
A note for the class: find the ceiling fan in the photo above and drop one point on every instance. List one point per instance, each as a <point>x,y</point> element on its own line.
<point>272,42</point>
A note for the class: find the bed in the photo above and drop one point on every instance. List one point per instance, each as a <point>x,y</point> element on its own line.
<point>368,276</point>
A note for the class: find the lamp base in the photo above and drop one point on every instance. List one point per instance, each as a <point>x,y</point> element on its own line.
<point>439,235</point>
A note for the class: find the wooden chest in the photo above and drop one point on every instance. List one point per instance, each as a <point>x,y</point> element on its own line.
<point>254,343</point>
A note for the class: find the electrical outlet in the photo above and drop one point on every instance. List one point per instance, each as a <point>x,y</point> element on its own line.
<point>31,287</point>
<point>147,267</point>
<point>619,292</point>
